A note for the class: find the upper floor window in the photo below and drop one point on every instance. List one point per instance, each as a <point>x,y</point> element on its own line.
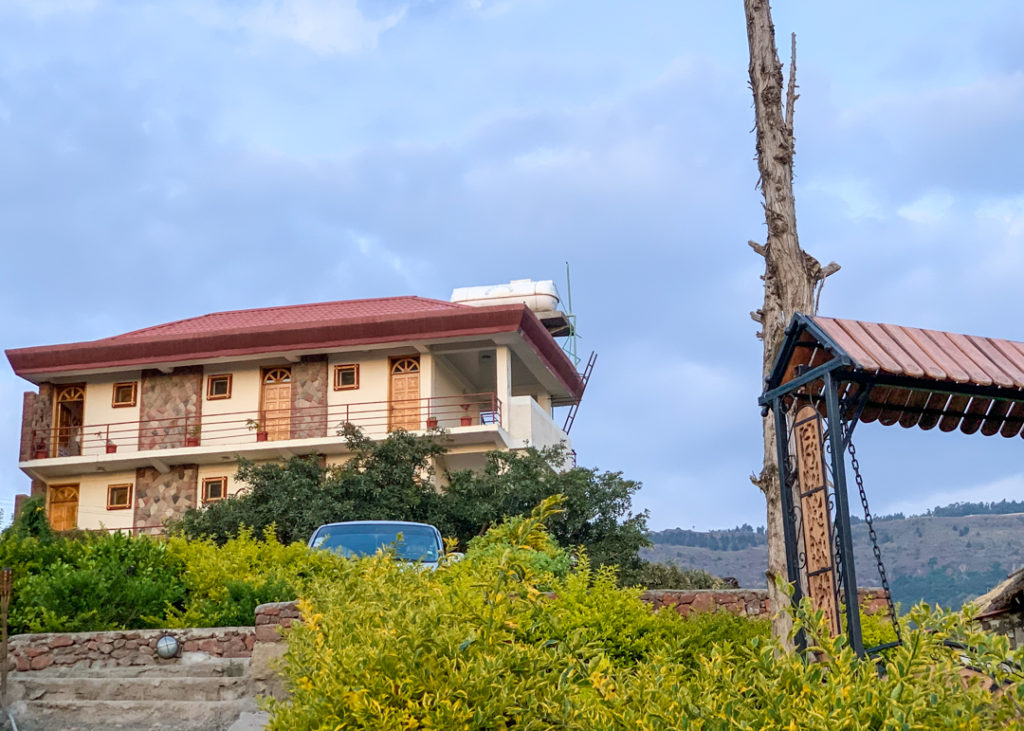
<point>277,375</point>
<point>346,377</point>
<point>125,394</point>
<point>218,387</point>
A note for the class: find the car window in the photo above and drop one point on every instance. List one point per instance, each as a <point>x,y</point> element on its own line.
<point>411,542</point>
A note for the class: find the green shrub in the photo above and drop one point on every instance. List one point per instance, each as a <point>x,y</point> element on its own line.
<point>875,629</point>
<point>91,582</point>
<point>478,645</point>
<point>224,584</point>
<point>97,581</point>
<point>651,575</point>
<point>32,522</point>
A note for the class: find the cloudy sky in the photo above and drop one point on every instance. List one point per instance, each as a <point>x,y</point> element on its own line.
<point>162,160</point>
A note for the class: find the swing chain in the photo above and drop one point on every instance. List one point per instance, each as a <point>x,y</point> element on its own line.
<point>874,542</point>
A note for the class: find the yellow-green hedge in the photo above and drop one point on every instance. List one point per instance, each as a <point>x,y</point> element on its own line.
<point>476,645</point>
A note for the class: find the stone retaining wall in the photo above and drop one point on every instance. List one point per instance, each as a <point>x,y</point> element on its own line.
<point>271,618</point>
<point>262,642</point>
<point>137,647</point>
<point>745,602</point>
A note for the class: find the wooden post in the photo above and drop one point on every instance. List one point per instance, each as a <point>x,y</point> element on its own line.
<point>6,583</point>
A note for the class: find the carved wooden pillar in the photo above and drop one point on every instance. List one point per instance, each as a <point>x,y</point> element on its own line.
<point>819,562</point>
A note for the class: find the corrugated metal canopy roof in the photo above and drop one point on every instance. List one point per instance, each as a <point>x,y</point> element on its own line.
<point>906,375</point>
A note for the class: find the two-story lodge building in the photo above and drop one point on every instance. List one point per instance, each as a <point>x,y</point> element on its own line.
<point>128,432</point>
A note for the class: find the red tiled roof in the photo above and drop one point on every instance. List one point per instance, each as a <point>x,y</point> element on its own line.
<point>911,376</point>
<point>276,317</point>
<point>319,326</point>
<point>930,354</point>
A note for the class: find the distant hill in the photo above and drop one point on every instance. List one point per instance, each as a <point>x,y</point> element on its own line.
<point>950,555</point>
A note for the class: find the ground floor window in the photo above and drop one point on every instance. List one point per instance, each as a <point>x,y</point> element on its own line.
<point>214,488</point>
<point>119,497</point>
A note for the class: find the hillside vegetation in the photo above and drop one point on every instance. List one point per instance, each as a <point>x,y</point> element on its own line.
<point>944,557</point>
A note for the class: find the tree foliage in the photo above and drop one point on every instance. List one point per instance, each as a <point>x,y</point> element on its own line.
<point>391,479</point>
<point>386,480</point>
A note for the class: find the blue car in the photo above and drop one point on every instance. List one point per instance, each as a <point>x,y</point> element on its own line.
<point>418,543</point>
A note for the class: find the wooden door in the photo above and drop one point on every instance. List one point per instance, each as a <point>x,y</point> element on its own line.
<point>63,507</point>
<point>404,404</point>
<point>276,403</point>
<point>69,407</point>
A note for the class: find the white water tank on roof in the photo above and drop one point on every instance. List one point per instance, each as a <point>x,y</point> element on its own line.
<point>538,296</point>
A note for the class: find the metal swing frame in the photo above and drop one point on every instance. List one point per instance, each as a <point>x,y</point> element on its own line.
<point>852,371</point>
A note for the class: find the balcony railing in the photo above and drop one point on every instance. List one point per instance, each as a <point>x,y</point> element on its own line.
<point>374,418</point>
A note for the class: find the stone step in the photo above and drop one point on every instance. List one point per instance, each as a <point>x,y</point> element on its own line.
<point>108,715</point>
<point>205,667</point>
<point>39,687</point>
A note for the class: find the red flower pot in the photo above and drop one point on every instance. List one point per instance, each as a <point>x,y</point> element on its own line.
<point>431,422</point>
<point>111,448</point>
<point>261,436</point>
<point>466,421</point>
<point>191,441</point>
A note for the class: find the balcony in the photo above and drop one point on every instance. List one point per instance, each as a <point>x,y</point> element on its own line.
<point>470,419</point>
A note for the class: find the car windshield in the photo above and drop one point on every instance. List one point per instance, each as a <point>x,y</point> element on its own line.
<point>411,542</point>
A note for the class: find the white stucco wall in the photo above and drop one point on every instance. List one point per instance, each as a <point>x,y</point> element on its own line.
<point>228,470</point>
<point>100,413</point>
<point>365,406</point>
<point>92,500</point>
<point>224,419</point>
<point>530,425</point>
<point>447,387</point>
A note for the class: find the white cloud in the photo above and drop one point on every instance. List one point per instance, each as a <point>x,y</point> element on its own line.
<point>931,208</point>
<point>548,158</point>
<point>1007,213</point>
<point>326,27</point>
<point>47,8</point>
<point>856,195</point>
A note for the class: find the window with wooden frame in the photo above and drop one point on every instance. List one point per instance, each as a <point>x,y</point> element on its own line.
<point>218,387</point>
<point>119,497</point>
<point>125,394</point>
<point>214,489</point>
<point>346,377</point>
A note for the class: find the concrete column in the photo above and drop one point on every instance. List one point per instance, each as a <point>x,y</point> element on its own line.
<point>503,381</point>
<point>428,380</point>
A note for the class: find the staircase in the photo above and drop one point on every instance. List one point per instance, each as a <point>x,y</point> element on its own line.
<point>211,694</point>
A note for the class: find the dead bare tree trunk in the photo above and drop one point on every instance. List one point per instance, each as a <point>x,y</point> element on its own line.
<point>791,276</point>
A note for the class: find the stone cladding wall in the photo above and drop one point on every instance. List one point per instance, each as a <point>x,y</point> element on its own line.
<point>37,418</point>
<point>163,497</point>
<point>744,602</point>
<point>169,405</point>
<point>135,647</point>
<point>309,397</point>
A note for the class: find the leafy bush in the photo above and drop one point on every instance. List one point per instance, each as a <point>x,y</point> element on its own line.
<point>477,645</point>
<point>875,629</point>
<point>225,584</point>
<point>91,582</point>
<point>523,539</point>
<point>651,575</point>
